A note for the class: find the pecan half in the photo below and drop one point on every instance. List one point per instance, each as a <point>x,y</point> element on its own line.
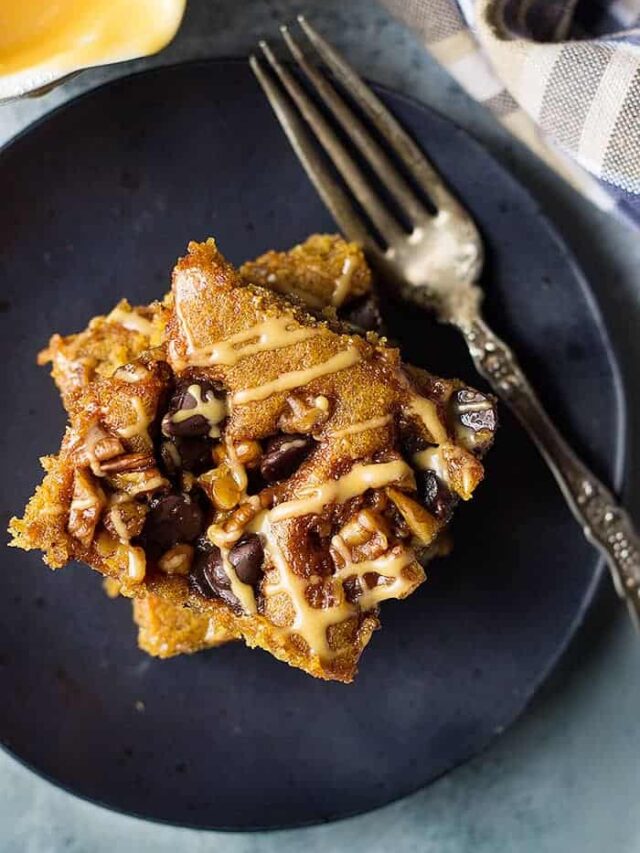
<point>141,482</point>
<point>97,447</point>
<point>87,504</point>
<point>128,462</point>
<point>125,519</point>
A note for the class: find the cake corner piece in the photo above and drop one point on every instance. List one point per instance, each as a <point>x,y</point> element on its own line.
<point>277,475</point>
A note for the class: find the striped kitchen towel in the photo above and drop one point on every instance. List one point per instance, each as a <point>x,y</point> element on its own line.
<point>562,75</point>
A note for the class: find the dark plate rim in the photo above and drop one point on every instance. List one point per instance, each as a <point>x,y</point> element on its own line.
<point>619,480</point>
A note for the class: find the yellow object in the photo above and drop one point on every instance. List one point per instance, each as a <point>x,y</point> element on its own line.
<point>44,40</point>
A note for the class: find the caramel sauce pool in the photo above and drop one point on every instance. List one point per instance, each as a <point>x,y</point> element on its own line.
<point>42,40</point>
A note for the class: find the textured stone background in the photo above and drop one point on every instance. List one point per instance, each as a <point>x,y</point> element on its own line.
<point>566,777</point>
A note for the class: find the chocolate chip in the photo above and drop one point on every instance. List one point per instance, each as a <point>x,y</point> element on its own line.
<point>204,544</point>
<point>474,410</point>
<point>352,589</point>
<point>363,312</point>
<point>435,495</point>
<point>255,481</point>
<point>183,401</point>
<point>194,426</point>
<point>283,455</point>
<point>209,579</point>
<point>172,519</point>
<point>247,557</point>
<point>188,454</point>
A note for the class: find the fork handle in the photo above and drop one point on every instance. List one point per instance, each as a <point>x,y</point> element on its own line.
<point>603,520</point>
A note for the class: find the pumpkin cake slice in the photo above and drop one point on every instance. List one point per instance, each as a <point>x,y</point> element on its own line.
<point>272,471</point>
<point>324,271</point>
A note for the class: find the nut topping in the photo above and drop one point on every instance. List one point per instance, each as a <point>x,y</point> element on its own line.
<point>366,535</point>
<point>221,488</point>
<point>146,481</point>
<point>86,506</point>
<point>128,462</point>
<point>125,518</point>
<point>97,447</point>
<point>177,560</point>
<point>248,453</point>
<point>420,522</point>
<point>137,565</point>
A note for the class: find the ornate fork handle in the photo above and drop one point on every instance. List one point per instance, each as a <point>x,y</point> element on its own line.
<point>604,522</point>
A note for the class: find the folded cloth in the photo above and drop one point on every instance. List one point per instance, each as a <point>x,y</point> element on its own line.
<point>562,75</point>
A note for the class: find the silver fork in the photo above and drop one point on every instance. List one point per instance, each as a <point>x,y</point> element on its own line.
<point>436,264</point>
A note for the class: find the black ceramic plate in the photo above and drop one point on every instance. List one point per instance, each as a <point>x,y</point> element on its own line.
<point>97,202</point>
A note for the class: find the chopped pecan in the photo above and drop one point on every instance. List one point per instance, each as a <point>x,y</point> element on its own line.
<point>230,530</point>
<point>97,447</point>
<point>464,471</point>
<point>86,508</point>
<point>125,519</point>
<point>139,482</point>
<point>220,487</point>
<point>177,560</point>
<point>136,565</point>
<point>128,462</point>
<point>366,535</point>
<point>248,453</point>
<point>422,524</point>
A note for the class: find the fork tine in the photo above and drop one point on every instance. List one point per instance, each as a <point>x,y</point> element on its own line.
<point>359,135</point>
<point>399,140</point>
<point>329,190</point>
<point>354,178</point>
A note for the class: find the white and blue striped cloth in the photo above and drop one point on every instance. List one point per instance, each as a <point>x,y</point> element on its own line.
<point>562,75</point>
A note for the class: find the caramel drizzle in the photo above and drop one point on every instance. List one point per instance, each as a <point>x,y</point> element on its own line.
<point>297,378</point>
<point>389,567</point>
<point>210,408</point>
<point>309,622</point>
<point>312,623</point>
<point>343,282</point>
<point>132,321</point>
<point>356,482</point>
<point>267,336</point>
<point>141,424</point>
<point>432,459</point>
<point>362,426</point>
<point>237,469</point>
<point>186,331</point>
<point>427,411</point>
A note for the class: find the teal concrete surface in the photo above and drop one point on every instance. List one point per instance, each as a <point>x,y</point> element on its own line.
<point>566,777</point>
